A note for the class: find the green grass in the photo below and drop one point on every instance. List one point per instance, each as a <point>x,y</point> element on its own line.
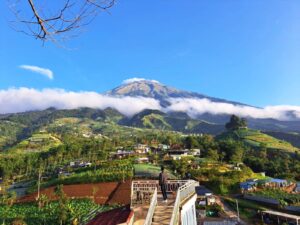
<point>256,138</point>
<point>247,209</point>
<point>150,171</point>
<point>282,196</point>
<point>155,121</point>
<point>37,142</point>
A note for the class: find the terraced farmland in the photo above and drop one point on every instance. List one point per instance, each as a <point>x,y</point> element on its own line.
<point>256,138</point>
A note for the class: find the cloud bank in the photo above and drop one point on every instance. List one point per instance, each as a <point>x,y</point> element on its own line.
<point>42,71</point>
<point>196,107</point>
<point>24,99</point>
<point>137,79</point>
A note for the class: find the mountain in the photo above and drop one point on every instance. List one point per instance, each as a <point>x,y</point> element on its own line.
<point>177,121</point>
<point>161,92</point>
<point>212,121</point>
<point>194,113</point>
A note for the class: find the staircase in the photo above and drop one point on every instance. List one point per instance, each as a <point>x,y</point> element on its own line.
<point>163,210</point>
<point>150,209</point>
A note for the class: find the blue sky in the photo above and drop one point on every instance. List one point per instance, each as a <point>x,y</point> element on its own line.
<point>248,51</point>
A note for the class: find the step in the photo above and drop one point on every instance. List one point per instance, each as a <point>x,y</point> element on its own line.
<point>161,219</point>
<point>163,223</point>
<point>163,212</point>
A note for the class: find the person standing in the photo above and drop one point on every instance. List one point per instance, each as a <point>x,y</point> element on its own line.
<point>162,180</point>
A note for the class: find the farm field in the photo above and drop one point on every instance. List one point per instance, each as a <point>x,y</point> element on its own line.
<point>38,142</point>
<point>150,171</point>
<point>256,138</point>
<point>49,214</point>
<point>101,193</point>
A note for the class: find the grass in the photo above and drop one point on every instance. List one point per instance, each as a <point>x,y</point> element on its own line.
<point>154,121</point>
<point>256,138</point>
<point>150,171</point>
<point>247,209</point>
<point>293,199</point>
<point>38,142</point>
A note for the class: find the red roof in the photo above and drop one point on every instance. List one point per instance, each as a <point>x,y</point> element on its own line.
<point>112,217</point>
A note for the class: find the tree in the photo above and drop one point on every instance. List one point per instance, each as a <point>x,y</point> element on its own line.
<point>236,123</point>
<point>43,200</point>
<point>191,142</point>
<point>237,154</point>
<point>64,211</point>
<point>55,21</point>
<point>213,154</point>
<point>234,150</point>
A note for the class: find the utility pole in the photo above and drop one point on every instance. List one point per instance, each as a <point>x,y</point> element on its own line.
<point>237,208</point>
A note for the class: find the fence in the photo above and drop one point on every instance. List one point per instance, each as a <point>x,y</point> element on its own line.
<point>183,193</point>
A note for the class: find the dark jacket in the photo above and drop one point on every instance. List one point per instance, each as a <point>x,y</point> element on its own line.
<point>162,179</point>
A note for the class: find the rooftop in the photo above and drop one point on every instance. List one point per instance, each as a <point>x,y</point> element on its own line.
<point>112,217</point>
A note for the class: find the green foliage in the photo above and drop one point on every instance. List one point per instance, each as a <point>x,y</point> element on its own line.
<point>111,171</point>
<point>223,181</point>
<point>283,197</point>
<point>213,155</point>
<point>150,171</point>
<point>191,142</point>
<point>247,209</point>
<point>50,214</point>
<point>236,123</point>
<point>256,139</point>
<point>90,135</point>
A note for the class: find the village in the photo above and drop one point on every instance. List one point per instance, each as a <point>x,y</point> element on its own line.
<point>256,195</point>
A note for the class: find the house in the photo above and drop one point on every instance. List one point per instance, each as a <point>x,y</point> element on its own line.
<point>273,183</point>
<point>247,186</point>
<point>141,149</point>
<point>79,163</point>
<point>178,154</point>
<point>196,152</point>
<point>121,154</point>
<point>142,160</point>
<point>163,147</point>
<point>205,196</point>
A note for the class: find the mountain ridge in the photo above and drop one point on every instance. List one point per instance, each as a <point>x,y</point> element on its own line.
<point>161,92</point>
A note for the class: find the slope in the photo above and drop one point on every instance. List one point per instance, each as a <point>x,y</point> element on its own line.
<point>255,138</point>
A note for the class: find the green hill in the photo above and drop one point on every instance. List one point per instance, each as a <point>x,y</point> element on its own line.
<point>178,121</point>
<point>255,138</point>
<point>38,142</point>
<point>293,138</point>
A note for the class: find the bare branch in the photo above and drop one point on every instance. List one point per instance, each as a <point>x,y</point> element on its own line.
<point>69,18</point>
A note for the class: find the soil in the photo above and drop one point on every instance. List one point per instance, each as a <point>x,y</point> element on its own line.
<point>112,217</point>
<point>101,193</point>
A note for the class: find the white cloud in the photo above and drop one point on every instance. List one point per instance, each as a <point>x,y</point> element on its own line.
<point>43,71</point>
<point>196,107</point>
<point>137,79</point>
<point>25,99</point>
